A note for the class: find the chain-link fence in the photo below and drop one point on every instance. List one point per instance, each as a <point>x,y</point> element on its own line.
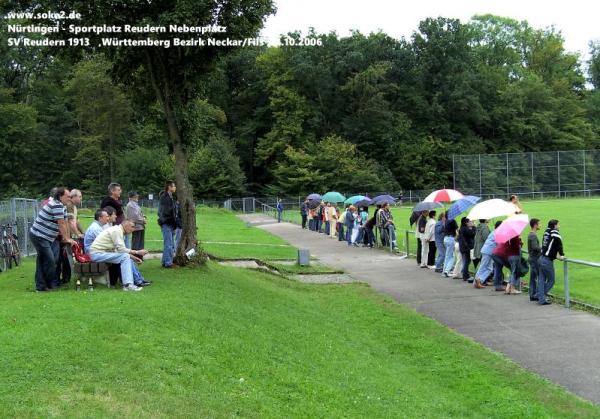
<point>20,213</point>
<point>536,175</point>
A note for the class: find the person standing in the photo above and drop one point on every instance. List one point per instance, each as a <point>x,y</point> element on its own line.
<point>430,232</point>
<point>486,267</point>
<point>114,200</point>
<point>387,221</point>
<point>552,248</point>
<point>466,241</point>
<point>439,242</point>
<point>167,220</point>
<point>449,240</point>
<point>481,235</point>
<point>427,235</point>
<point>135,214</point>
<point>326,217</point>
<point>351,216</point>
<point>50,221</point>
<point>304,213</point>
<point>534,252</point>
<point>514,199</point>
<point>420,231</point>
<point>279,210</point>
<point>507,255</point>
<point>333,218</point>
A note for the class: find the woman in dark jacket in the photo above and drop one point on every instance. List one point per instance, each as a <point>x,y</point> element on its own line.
<point>466,242</point>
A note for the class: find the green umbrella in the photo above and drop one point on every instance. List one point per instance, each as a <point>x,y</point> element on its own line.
<point>354,199</point>
<point>333,197</point>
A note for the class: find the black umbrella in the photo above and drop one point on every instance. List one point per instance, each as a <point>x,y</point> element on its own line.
<point>383,199</point>
<point>427,206</point>
<point>312,204</point>
<point>413,218</point>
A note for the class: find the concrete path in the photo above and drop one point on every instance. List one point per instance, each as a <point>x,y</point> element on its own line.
<point>560,344</point>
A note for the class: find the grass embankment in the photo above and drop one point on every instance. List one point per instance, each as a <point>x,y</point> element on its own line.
<point>223,342</point>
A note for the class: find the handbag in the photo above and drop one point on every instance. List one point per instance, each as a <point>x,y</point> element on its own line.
<point>79,255</point>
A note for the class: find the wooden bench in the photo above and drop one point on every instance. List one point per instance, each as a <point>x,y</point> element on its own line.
<point>86,269</point>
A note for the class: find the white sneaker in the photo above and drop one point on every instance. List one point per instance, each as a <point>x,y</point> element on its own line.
<point>132,287</point>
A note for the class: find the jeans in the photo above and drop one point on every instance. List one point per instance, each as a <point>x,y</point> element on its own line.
<point>533,276</point>
<point>391,234</point>
<point>466,260</point>
<point>341,234</point>
<point>279,216</point>
<point>137,275</point>
<point>514,261</point>
<point>486,267</point>
<point>499,263</point>
<point>304,218</point>
<point>327,227</point>
<point>545,278</point>
<point>45,266</point>
<point>318,223</point>
<point>449,257</point>
<point>168,244</point>
<point>361,234</point>
<point>311,224</point>
<point>177,238</point>
<point>122,259</point>
<point>349,234</point>
<point>441,254</point>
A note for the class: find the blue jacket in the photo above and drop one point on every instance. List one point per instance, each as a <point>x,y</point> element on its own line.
<point>489,245</point>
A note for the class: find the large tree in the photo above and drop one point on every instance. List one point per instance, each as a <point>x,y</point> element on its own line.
<point>174,74</point>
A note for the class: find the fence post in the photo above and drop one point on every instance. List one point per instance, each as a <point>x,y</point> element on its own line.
<point>566,285</point>
<point>406,241</point>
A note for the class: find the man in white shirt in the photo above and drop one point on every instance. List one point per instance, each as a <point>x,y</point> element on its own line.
<point>110,247</point>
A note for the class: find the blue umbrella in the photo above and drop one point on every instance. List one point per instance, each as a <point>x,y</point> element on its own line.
<point>462,205</point>
<point>427,206</point>
<point>314,197</point>
<point>354,199</point>
<point>364,202</point>
<point>382,199</point>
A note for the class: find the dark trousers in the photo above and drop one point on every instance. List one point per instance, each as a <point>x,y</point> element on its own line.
<point>370,236</point>
<point>431,255</point>
<point>45,264</point>
<point>137,239</point>
<point>63,265</point>
<point>327,227</point>
<point>341,235</point>
<point>466,260</point>
<point>304,219</point>
<point>533,276</point>
<point>114,273</point>
<point>419,250</point>
<point>499,264</point>
<point>475,263</point>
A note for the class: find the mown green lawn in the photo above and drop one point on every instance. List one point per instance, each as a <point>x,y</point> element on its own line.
<point>223,235</point>
<point>226,342</point>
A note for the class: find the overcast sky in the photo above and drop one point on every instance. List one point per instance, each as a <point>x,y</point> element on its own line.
<point>578,20</point>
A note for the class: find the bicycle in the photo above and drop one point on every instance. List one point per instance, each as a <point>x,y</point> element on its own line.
<point>10,251</point>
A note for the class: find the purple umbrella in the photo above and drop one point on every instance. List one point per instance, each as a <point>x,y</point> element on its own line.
<point>314,197</point>
<point>382,199</point>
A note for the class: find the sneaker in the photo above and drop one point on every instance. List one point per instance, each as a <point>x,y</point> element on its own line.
<point>544,303</point>
<point>438,270</point>
<point>424,266</point>
<point>445,275</point>
<point>132,287</point>
<point>145,283</point>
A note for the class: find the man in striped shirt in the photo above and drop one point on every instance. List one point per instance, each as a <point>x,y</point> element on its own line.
<point>50,221</point>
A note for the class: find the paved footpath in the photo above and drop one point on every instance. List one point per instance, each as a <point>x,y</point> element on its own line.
<point>560,344</point>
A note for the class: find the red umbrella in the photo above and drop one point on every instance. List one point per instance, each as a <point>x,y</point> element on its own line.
<point>444,195</point>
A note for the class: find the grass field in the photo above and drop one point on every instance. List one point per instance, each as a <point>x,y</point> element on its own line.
<point>223,235</point>
<point>579,229</point>
<point>226,342</point>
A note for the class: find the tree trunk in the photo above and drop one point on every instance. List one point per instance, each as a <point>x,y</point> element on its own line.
<point>184,188</point>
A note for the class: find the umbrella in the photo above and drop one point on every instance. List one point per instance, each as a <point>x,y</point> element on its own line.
<point>354,199</point>
<point>511,227</point>
<point>382,199</point>
<point>426,206</point>
<point>462,205</point>
<point>444,195</point>
<point>413,218</point>
<point>312,204</point>
<point>491,208</point>
<point>364,202</point>
<point>333,197</point>
<point>314,197</point>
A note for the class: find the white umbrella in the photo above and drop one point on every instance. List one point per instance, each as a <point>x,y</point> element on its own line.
<point>444,195</point>
<point>492,208</point>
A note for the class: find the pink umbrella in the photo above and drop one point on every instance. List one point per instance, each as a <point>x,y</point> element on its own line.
<point>443,195</point>
<point>511,227</point>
